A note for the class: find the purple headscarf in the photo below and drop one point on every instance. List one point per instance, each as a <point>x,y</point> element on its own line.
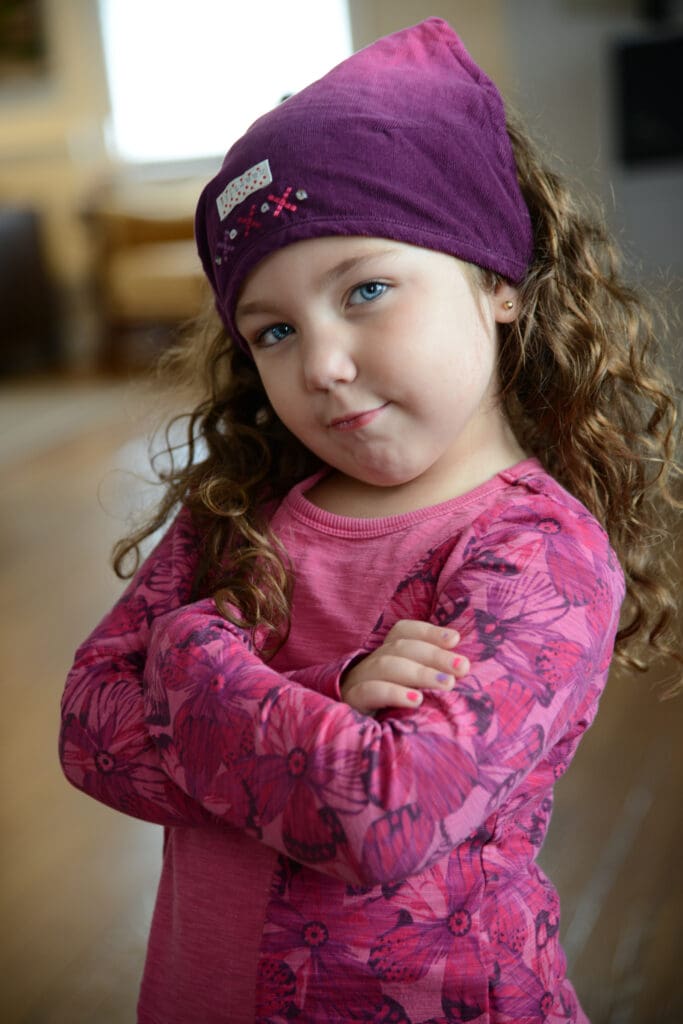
<point>404,140</point>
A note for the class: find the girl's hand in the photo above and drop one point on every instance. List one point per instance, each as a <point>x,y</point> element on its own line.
<point>415,656</point>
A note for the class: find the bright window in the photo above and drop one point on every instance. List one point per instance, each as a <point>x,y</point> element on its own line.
<point>187,77</point>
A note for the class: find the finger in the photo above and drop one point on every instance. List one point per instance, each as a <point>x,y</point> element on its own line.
<point>461,666</point>
<point>420,655</point>
<point>403,672</point>
<point>374,694</point>
<point>416,629</point>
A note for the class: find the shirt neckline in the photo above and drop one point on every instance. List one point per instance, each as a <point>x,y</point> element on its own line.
<point>298,505</point>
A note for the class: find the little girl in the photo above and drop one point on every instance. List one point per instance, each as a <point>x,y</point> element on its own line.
<point>348,676</point>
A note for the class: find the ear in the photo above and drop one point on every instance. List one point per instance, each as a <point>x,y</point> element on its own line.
<point>505,302</point>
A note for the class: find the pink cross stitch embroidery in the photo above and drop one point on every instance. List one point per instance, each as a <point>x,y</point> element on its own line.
<point>249,221</point>
<point>282,203</point>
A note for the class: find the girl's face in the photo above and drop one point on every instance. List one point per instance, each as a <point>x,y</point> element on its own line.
<point>381,358</point>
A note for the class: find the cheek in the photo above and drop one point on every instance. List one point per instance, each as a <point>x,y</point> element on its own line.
<point>485,360</point>
<point>482,356</point>
<point>284,409</point>
<point>278,386</point>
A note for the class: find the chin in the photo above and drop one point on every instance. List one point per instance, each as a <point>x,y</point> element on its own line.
<point>384,479</point>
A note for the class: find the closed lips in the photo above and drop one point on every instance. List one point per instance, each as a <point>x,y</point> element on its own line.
<point>357,418</point>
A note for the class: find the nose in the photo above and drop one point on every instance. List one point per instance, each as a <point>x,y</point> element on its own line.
<point>327,361</point>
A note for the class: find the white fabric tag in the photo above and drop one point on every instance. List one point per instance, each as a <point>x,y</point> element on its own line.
<point>239,188</point>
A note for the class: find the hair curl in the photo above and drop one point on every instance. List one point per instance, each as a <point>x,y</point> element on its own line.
<point>580,381</point>
<point>237,460</point>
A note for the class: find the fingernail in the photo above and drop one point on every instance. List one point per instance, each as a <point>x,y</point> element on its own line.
<point>442,677</point>
<point>457,661</point>
<point>412,695</point>
<point>450,636</point>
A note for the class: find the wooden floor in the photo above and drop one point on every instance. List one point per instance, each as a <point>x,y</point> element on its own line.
<point>78,880</point>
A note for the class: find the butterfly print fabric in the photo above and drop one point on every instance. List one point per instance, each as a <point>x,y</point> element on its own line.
<point>324,865</point>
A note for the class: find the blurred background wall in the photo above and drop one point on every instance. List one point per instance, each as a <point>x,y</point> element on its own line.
<point>52,152</point>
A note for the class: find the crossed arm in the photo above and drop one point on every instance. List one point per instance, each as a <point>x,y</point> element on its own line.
<point>169,716</point>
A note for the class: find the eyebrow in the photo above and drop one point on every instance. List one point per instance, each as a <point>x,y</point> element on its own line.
<point>329,277</point>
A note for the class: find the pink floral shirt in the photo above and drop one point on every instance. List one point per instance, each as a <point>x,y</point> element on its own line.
<point>321,865</point>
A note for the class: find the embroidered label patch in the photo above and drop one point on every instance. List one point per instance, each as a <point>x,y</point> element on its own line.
<point>239,188</point>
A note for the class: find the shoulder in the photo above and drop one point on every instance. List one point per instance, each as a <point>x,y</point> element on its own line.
<point>170,566</point>
<point>535,588</point>
<point>179,542</point>
<point>534,503</point>
<point>533,526</point>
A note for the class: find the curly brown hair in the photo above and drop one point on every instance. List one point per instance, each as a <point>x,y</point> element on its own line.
<point>581,384</point>
<point>237,460</point>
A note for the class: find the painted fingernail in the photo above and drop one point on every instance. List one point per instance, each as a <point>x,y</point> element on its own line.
<point>442,677</point>
<point>458,661</point>
<point>412,695</point>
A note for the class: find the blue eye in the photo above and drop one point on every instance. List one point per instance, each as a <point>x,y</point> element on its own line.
<point>272,335</point>
<point>367,292</point>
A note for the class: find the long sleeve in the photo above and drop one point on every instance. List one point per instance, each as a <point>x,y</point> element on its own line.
<point>105,746</point>
<point>536,599</point>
